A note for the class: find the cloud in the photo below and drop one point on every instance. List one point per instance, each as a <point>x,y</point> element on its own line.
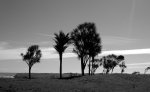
<point>50,53</point>
<point>46,35</point>
<point>136,64</point>
<point>113,40</point>
<point>47,53</point>
<point>127,52</point>
<point>3,45</point>
<point>8,54</point>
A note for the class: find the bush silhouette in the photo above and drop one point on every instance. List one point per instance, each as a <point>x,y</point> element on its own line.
<point>111,61</point>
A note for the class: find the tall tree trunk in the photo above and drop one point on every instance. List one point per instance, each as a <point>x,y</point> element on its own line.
<point>82,66</point>
<point>89,67</point>
<point>92,64</point>
<point>29,72</point>
<point>112,70</point>
<point>107,71</point>
<point>145,71</point>
<point>122,70</point>
<point>60,57</point>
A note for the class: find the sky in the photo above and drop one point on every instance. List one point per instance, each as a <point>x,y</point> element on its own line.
<point>123,26</point>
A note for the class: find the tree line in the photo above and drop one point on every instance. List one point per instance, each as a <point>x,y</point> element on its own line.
<point>87,45</point>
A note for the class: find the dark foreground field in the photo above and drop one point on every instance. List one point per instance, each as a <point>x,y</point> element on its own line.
<point>96,83</point>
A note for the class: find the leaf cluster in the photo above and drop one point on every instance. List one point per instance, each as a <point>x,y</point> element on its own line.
<point>32,55</point>
<point>62,40</point>
<point>86,40</point>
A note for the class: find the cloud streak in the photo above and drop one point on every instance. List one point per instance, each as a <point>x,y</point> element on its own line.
<point>131,17</point>
<point>127,52</point>
<point>50,53</point>
<point>112,40</point>
<point>3,45</point>
<point>46,35</point>
<point>136,64</point>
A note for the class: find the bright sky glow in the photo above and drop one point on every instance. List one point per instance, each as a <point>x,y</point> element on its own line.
<point>50,53</point>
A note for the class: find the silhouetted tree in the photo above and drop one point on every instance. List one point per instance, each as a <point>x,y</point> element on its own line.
<point>85,39</point>
<point>93,44</point>
<point>120,58</point>
<point>32,56</point>
<point>111,61</point>
<point>122,66</point>
<point>146,69</point>
<point>104,63</point>
<point>62,41</point>
<point>95,65</point>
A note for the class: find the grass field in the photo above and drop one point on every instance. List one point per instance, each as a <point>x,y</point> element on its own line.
<point>74,83</point>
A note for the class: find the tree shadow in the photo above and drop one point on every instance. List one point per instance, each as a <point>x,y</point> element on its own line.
<point>69,76</point>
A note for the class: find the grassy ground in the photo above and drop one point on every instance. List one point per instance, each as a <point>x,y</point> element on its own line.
<point>74,83</point>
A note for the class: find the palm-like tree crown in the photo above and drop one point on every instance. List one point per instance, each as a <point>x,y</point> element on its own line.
<point>62,41</point>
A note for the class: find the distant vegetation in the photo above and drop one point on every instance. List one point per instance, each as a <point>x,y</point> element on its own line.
<point>111,61</point>
<point>86,44</point>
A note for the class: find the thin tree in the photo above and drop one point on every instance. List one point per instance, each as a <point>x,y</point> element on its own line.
<point>104,62</point>
<point>85,38</point>
<point>62,41</point>
<point>95,65</point>
<point>111,61</point>
<point>122,66</point>
<point>121,58</point>
<point>94,45</point>
<point>115,60</point>
<point>32,56</point>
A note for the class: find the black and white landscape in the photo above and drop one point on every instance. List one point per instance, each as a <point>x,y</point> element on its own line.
<point>74,46</point>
